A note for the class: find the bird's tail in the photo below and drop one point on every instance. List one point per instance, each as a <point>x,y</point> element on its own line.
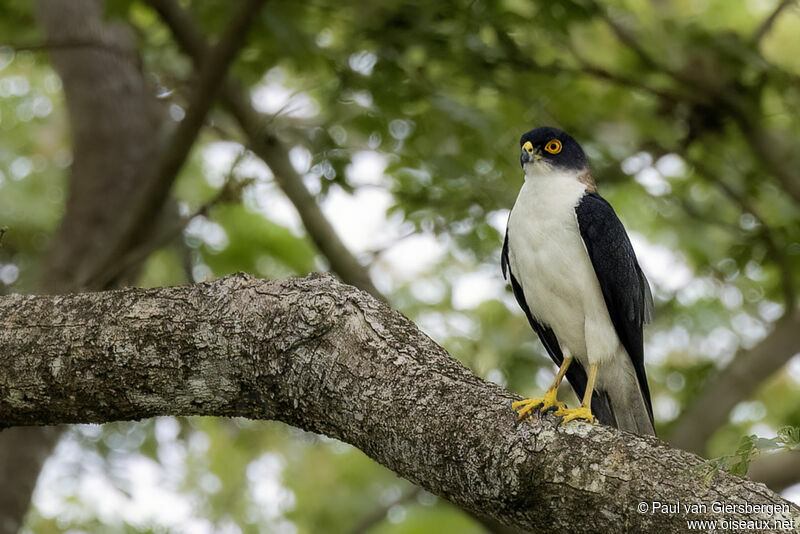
<point>624,408</point>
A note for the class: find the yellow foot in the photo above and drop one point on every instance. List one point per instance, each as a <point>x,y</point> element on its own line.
<point>568,414</point>
<point>549,400</point>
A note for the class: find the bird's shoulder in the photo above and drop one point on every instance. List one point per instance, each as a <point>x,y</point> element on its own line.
<point>592,205</point>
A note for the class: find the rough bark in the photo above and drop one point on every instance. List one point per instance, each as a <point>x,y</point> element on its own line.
<point>734,383</point>
<point>114,122</point>
<point>329,358</point>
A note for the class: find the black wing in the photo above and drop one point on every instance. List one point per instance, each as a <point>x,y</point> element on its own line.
<point>576,374</point>
<point>624,286</point>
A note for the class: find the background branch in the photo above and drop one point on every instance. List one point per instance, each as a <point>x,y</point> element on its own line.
<point>328,358</point>
<point>778,471</point>
<point>769,146</point>
<point>114,122</point>
<point>229,192</point>
<point>626,37</point>
<point>138,219</point>
<point>766,26</point>
<point>72,44</point>
<point>273,151</point>
<point>749,368</point>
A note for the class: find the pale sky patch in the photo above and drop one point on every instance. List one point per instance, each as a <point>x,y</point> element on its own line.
<point>271,96</point>
<point>472,288</point>
<point>410,257</point>
<point>662,266</point>
<point>360,218</point>
<point>366,168</point>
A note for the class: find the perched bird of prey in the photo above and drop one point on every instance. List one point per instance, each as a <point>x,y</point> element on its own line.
<point>574,273</point>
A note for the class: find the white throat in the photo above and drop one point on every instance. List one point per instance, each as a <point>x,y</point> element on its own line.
<point>542,170</point>
<point>551,192</point>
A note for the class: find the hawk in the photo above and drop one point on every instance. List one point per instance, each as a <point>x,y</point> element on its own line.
<point>575,275</point>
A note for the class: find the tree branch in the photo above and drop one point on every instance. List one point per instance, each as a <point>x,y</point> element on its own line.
<point>769,146</point>
<point>211,75</point>
<point>114,120</point>
<point>163,236</point>
<point>96,45</point>
<point>114,123</point>
<point>737,381</point>
<point>778,471</point>
<point>765,27</point>
<point>775,150</point>
<point>274,153</point>
<point>626,36</point>
<point>329,358</point>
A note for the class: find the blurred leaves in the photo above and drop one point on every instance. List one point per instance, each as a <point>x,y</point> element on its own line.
<point>257,245</point>
<point>750,447</point>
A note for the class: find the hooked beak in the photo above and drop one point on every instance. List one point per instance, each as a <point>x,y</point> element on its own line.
<point>524,158</point>
<point>528,155</point>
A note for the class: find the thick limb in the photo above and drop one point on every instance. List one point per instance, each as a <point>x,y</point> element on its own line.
<point>585,411</point>
<point>550,397</point>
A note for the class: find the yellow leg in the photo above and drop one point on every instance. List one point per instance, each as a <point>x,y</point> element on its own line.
<point>549,399</point>
<point>585,411</point>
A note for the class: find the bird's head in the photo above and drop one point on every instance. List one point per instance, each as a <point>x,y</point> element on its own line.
<point>549,149</point>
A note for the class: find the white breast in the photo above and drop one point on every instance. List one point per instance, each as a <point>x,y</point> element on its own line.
<point>549,259</point>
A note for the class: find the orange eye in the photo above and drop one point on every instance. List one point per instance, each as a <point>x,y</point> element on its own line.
<point>553,146</point>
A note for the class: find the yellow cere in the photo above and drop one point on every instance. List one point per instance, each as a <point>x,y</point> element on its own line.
<point>528,147</point>
<point>553,146</point>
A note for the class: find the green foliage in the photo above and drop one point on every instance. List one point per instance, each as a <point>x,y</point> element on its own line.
<point>33,154</point>
<point>750,447</point>
<point>17,24</point>
<point>257,245</point>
